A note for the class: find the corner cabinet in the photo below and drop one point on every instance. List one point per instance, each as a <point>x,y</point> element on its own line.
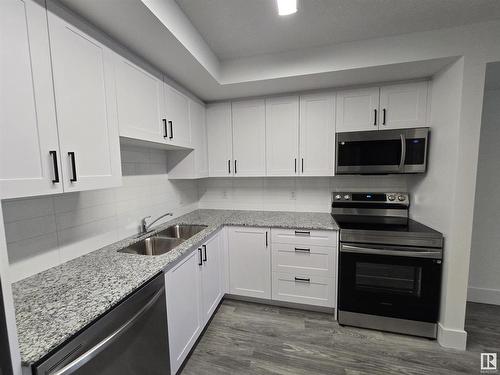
<point>194,288</point>
<point>249,261</point>
<point>47,146</point>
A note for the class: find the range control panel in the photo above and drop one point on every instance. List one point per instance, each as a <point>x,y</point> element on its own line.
<point>400,198</point>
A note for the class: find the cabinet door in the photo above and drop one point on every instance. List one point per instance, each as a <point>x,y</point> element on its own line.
<point>249,138</point>
<point>282,136</point>
<point>28,130</point>
<point>182,285</point>
<point>249,262</point>
<point>177,105</point>
<point>403,106</point>
<point>317,134</point>
<point>211,277</point>
<point>220,140</point>
<point>199,138</point>
<point>85,107</point>
<point>357,110</point>
<point>140,104</point>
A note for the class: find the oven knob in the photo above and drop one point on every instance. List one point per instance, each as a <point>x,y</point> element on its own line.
<point>401,198</point>
<point>347,197</point>
<point>391,197</point>
<point>338,197</point>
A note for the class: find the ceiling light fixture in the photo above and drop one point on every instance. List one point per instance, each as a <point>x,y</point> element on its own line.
<point>286,7</point>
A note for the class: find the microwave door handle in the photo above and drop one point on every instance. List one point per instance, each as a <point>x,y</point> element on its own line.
<point>403,152</point>
<point>435,254</point>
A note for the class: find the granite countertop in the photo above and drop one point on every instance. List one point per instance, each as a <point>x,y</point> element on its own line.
<point>54,305</point>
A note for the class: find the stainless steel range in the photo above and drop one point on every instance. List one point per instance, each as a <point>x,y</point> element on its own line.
<point>390,265</point>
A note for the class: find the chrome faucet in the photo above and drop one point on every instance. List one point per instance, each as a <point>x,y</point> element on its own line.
<point>144,222</point>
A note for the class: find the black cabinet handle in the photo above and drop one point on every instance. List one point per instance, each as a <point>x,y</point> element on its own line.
<point>302,233</point>
<point>165,134</point>
<point>384,111</point>
<point>303,279</point>
<point>267,243</point>
<point>295,165</point>
<point>229,166</point>
<point>302,165</point>
<point>171,129</point>
<point>56,168</point>
<point>302,250</point>
<point>200,262</point>
<point>375,118</point>
<point>204,252</point>
<point>71,155</point>
<point>235,170</point>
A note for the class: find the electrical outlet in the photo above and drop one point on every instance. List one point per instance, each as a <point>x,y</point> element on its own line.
<point>224,194</point>
<point>293,195</point>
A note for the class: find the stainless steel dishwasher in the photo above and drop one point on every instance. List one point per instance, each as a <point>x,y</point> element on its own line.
<point>130,339</point>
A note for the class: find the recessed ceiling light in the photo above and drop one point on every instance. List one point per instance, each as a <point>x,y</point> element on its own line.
<point>286,7</point>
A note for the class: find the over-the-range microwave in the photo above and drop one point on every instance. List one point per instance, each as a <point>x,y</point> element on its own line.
<point>382,151</point>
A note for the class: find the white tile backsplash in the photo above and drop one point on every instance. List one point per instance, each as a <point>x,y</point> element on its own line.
<point>43,232</point>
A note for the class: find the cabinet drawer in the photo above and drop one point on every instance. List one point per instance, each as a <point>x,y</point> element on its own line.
<point>303,288</point>
<point>313,260</point>
<point>304,237</point>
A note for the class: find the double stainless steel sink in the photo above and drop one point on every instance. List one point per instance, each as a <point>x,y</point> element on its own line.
<point>164,241</point>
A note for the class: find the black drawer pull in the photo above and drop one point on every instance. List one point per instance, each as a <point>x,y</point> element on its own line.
<point>204,252</point>
<point>302,250</point>
<point>56,168</point>
<point>200,262</point>
<point>302,233</point>
<point>71,155</point>
<point>303,280</point>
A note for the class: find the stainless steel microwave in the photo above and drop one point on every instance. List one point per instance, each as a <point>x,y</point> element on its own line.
<point>382,152</point>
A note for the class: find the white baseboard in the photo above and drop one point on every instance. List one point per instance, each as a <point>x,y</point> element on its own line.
<point>451,338</point>
<point>483,295</point>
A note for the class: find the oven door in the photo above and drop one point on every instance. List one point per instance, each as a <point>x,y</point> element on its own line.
<point>390,281</point>
<point>383,151</point>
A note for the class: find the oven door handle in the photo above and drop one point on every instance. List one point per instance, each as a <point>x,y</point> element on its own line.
<point>433,254</point>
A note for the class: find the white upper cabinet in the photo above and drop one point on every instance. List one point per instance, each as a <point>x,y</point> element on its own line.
<point>249,262</point>
<point>249,138</point>
<point>220,140</point>
<point>403,106</point>
<point>388,107</point>
<point>29,148</point>
<point>187,163</point>
<point>357,110</point>
<point>317,134</point>
<point>139,98</point>
<point>177,113</point>
<point>85,97</point>
<point>282,136</point>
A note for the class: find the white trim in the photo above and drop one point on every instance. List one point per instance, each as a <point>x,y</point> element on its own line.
<point>483,295</point>
<point>451,338</point>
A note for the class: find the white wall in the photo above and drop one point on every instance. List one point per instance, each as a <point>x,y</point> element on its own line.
<point>45,231</point>
<point>484,273</point>
<point>288,193</point>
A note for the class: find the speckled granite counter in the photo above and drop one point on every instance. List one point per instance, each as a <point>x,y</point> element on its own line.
<point>55,304</point>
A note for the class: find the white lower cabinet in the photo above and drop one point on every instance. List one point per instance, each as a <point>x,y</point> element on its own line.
<point>303,288</point>
<point>194,288</point>
<point>249,262</point>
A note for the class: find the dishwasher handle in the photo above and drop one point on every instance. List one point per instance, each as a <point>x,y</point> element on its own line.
<point>108,340</point>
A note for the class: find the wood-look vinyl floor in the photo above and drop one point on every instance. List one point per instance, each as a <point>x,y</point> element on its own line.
<point>248,338</point>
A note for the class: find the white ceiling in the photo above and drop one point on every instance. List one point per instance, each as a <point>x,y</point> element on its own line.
<point>243,28</point>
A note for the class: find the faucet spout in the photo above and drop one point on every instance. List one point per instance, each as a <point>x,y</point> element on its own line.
<point>145,225</point>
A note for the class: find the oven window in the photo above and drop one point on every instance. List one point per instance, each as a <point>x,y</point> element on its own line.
<point>389,278</point>
<point>360,153</point>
